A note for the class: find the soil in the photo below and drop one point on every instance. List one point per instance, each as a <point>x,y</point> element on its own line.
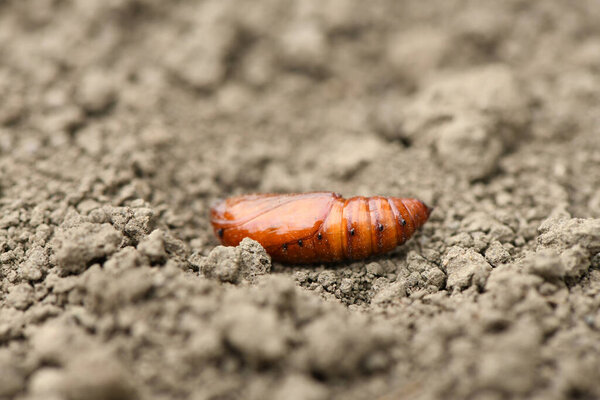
<point>122,121</point>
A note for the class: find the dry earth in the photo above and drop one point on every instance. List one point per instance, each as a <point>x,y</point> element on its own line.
<point>122,120</point>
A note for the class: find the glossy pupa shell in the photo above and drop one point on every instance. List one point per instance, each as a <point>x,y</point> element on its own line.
<point>318,226</point>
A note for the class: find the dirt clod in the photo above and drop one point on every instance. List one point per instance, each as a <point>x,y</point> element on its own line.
<point>465,268</point>
<point>231,264</point>
<point>75,247</point>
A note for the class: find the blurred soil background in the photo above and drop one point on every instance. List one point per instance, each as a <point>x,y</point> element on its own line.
<point>121,121</point>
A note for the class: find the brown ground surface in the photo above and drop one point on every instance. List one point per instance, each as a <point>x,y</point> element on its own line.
<point>122,120</point>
